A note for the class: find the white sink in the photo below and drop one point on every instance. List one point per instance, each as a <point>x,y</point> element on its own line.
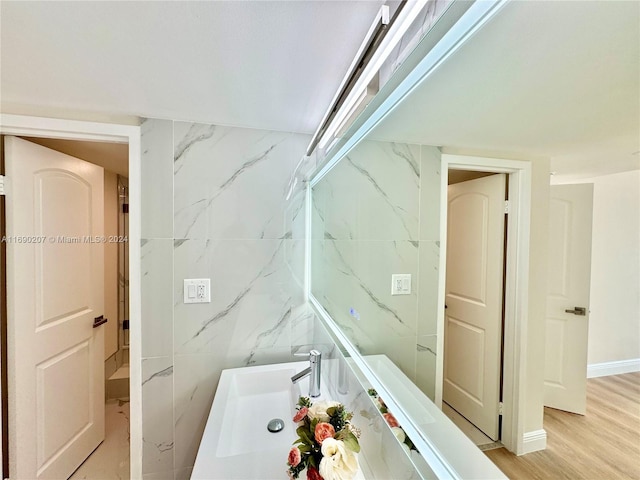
<point>252,399</point>
<point>236,443</point>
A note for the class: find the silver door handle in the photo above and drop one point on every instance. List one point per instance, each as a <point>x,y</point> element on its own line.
<point>582,311</point>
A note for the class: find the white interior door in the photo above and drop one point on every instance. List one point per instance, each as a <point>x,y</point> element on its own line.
<point>569,280</point>
<point>474,293</point>
<point>54,205</point>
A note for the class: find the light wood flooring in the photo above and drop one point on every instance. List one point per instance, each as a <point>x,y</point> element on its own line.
<point>602,445</point>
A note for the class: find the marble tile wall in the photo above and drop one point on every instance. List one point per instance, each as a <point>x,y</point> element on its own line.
<point>227,204</point>
<point>374,214</point>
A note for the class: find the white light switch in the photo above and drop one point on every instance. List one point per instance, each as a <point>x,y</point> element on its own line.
<point>401,284</point>
<point>197,290</point>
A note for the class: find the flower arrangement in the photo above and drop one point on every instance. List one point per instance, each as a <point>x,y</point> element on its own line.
<point>392,422</point>
<point>327,442</point>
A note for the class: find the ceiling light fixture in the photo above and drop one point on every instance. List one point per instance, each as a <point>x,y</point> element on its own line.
<point>381,39</point>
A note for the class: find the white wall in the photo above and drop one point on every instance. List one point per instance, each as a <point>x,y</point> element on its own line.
<point>614,323</point>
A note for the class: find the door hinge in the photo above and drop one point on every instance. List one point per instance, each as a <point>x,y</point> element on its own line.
<point>1,184</point>
<point>507,207</point>
<point>500,408</point>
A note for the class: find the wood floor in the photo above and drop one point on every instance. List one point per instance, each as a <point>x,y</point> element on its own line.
<point>602,445</point>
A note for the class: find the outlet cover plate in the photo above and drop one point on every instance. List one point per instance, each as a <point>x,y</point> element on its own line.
<point>401,284</point>
<point>197,290</point>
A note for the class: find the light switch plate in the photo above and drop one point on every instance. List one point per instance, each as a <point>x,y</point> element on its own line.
<point>197,290</point>
<point>401,284</point>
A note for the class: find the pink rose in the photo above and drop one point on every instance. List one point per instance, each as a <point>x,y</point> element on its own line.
<point>294,456</point>
<point>324,430</point>
<point>301,414</point>
<point>313,474</point>
<point>391,420</point>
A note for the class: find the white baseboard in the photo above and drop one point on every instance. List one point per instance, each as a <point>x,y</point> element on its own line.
<point>613,368</point>
<point>534,441</point>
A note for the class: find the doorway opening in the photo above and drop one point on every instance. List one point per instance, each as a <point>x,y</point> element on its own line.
<point>474,303</point>
<point>515,284</point>
<point>123,304</point>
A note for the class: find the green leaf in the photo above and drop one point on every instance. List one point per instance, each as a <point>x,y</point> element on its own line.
<point>331,411</point>
<point>304,448</point>
<point>304,434</point>
<point>351,442</point>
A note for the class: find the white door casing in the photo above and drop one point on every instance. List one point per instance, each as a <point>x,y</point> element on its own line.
<point>474,299</point>
<point>569,281</point>
<point>54,291</point>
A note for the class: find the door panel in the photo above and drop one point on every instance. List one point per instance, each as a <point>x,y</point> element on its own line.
<point>54,291</point>
<point>473,317</point>
<point>569,279</point>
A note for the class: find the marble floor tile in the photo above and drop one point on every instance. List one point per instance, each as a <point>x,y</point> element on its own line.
<point>110,461</point>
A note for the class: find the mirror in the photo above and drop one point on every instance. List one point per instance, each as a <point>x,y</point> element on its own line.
<point>550,80</point>
<point>376,214</point>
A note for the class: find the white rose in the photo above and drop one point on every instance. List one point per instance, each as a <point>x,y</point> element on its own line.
<point>338,462</point>
<point>319,410</point>
<point>399,433</point>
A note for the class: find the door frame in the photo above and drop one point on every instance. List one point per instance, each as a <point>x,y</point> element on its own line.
<point>28,126</point>
<point>516,287</point>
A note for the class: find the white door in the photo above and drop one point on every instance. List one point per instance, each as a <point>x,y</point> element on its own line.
<point>474,298</point>
<point>54,292</point>
<point>569,280</point>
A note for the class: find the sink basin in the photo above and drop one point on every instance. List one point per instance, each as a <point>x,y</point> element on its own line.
<point>236,443</point>
<point>252,400</point>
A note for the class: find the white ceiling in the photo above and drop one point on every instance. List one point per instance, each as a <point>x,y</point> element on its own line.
<point>263,64</point>
<point>553,79</point>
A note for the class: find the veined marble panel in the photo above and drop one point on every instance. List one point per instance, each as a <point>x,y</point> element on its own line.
<point>252,298</point>
<point>426,364</point>
<point>157,297</point>
<point>196,380</point>
<point>234,182</point>
<point>357,275</point>
<point>430,187</point>
<point>373,193</point>
<point>428,281</point>
<point>157,178</point>
<point>157,415</point>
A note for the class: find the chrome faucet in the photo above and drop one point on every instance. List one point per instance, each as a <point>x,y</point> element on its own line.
<point>315,361</point>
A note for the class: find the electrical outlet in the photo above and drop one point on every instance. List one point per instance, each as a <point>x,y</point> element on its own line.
<point>401,284</point>
<point>197,290</point>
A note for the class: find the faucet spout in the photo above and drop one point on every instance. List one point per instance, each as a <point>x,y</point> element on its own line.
<point>300,375</point>
<point>314,370</point>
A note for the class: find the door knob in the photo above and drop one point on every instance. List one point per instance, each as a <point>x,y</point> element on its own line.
<point>582,311</point>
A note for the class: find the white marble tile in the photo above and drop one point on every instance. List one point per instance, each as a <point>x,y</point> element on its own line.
<point>428,284</point>
<point>233,182</point>
<point>110,461</point>
<point>196,380</point>
<point>426,364</point>
<point>251,303</point>
<point>157,178</point>
<point>430,180</point>
<point>372,193</point>
<point>157,297</point>
<point>157,415</point>
<point>357,275</point>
